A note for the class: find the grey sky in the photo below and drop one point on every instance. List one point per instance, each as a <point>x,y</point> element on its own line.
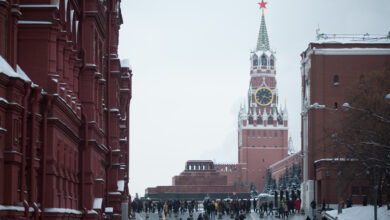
<point>191,71</point>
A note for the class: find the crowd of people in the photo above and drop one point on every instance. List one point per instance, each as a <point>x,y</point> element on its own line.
<point>210,209</point>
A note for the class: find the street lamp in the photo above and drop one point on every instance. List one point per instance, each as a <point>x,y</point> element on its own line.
<point>387,97</point>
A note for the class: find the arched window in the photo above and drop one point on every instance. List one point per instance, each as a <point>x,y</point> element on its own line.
<point>336,80</point>
<point>263,60</point>
<point>259,121</point>
<point>250,119</point>
<point>270,120</point>
<point>255,60</point>
<point>272,62</point>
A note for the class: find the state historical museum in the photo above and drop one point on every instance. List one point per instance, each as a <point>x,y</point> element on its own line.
<point>64,110</point>
<point>262,138</point>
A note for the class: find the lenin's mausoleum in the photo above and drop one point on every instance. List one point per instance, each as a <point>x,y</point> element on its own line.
<point>64,110</point>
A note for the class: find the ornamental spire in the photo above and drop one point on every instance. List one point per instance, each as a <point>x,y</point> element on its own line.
<point>262,40</point>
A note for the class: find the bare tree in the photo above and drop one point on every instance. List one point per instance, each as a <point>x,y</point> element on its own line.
<point>365,131</point>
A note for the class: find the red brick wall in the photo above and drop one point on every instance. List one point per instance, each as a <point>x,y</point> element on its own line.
<point>323,68</point>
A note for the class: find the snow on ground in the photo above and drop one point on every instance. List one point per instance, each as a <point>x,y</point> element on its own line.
<point>361,212</point>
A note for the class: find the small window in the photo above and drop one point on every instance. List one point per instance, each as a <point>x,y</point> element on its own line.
<point>265,146</point>
<point>336,105</point>
<point>276,146</point>
<point>263,60</point>
<point>255,60</point>
<point>336,80</point>
<point>253,134</point>
<point>272,62</point>
<point>265,134</point>
<point>263,160</point>
<point>276,134</point>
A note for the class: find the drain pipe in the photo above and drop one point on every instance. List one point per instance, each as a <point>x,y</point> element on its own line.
<point>82,167</point>
<point>108,98</point>
<point>49,99</point>
<point>33,185</point>
<point>27,87</point>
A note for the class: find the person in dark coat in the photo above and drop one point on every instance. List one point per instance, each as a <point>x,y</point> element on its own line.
<point>349,202</point>
<point>323,206</point>
<point>313,205</point>
<point>200,217</point>
<point>308,218</point>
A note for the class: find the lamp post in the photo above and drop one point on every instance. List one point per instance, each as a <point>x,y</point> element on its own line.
<point>317,106</point>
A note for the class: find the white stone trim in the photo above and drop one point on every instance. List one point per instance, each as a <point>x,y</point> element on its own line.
<point>352,51</point>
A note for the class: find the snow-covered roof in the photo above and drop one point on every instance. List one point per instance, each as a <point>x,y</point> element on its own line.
<point>9,71</point>
<point>125,63</point>
<point>109,210</point>
<point>352,39</point>
<point>121,185</point>
<point>97,203</point>
<point>63,210</point>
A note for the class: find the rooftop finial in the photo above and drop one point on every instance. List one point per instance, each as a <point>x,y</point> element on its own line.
<point>262,6</point>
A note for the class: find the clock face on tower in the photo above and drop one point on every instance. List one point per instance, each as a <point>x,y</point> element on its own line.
<point>264,96</point>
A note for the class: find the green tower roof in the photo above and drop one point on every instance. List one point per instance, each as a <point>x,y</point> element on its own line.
<point>262,40</point>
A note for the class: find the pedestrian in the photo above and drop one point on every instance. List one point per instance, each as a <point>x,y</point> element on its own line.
<point>271,208</point>
<point>314,206</point>
<point>266,208</point>
<point>324,218</point>
<point>206,216</point>
<point>323,206</point>
<point>165,208</point>
<point>308,218</point>
<point>242,216</point>
<point>285,210</point>
<point>281,211</point>
<point>297,205</point>
<point>365,201</point>
<point>200,217</point>
<point>349,202</point>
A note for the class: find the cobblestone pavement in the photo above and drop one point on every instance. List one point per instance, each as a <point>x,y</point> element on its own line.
<point>251,216</point>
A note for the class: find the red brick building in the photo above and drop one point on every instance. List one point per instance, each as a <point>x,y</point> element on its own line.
<point>64,110</point>
<point>330,68</point>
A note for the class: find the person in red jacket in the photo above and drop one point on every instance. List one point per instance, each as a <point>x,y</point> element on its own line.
<point>297,204</point>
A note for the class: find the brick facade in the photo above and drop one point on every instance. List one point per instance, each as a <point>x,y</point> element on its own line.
<point>64,121</point>
<point>329,69</point>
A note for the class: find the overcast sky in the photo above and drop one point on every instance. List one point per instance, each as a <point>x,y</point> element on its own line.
<point>190,62</point>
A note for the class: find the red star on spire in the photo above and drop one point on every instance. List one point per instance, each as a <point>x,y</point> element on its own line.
<point>262,4</point>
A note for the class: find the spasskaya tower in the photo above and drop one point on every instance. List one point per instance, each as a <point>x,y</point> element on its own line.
<point>262,126</point>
